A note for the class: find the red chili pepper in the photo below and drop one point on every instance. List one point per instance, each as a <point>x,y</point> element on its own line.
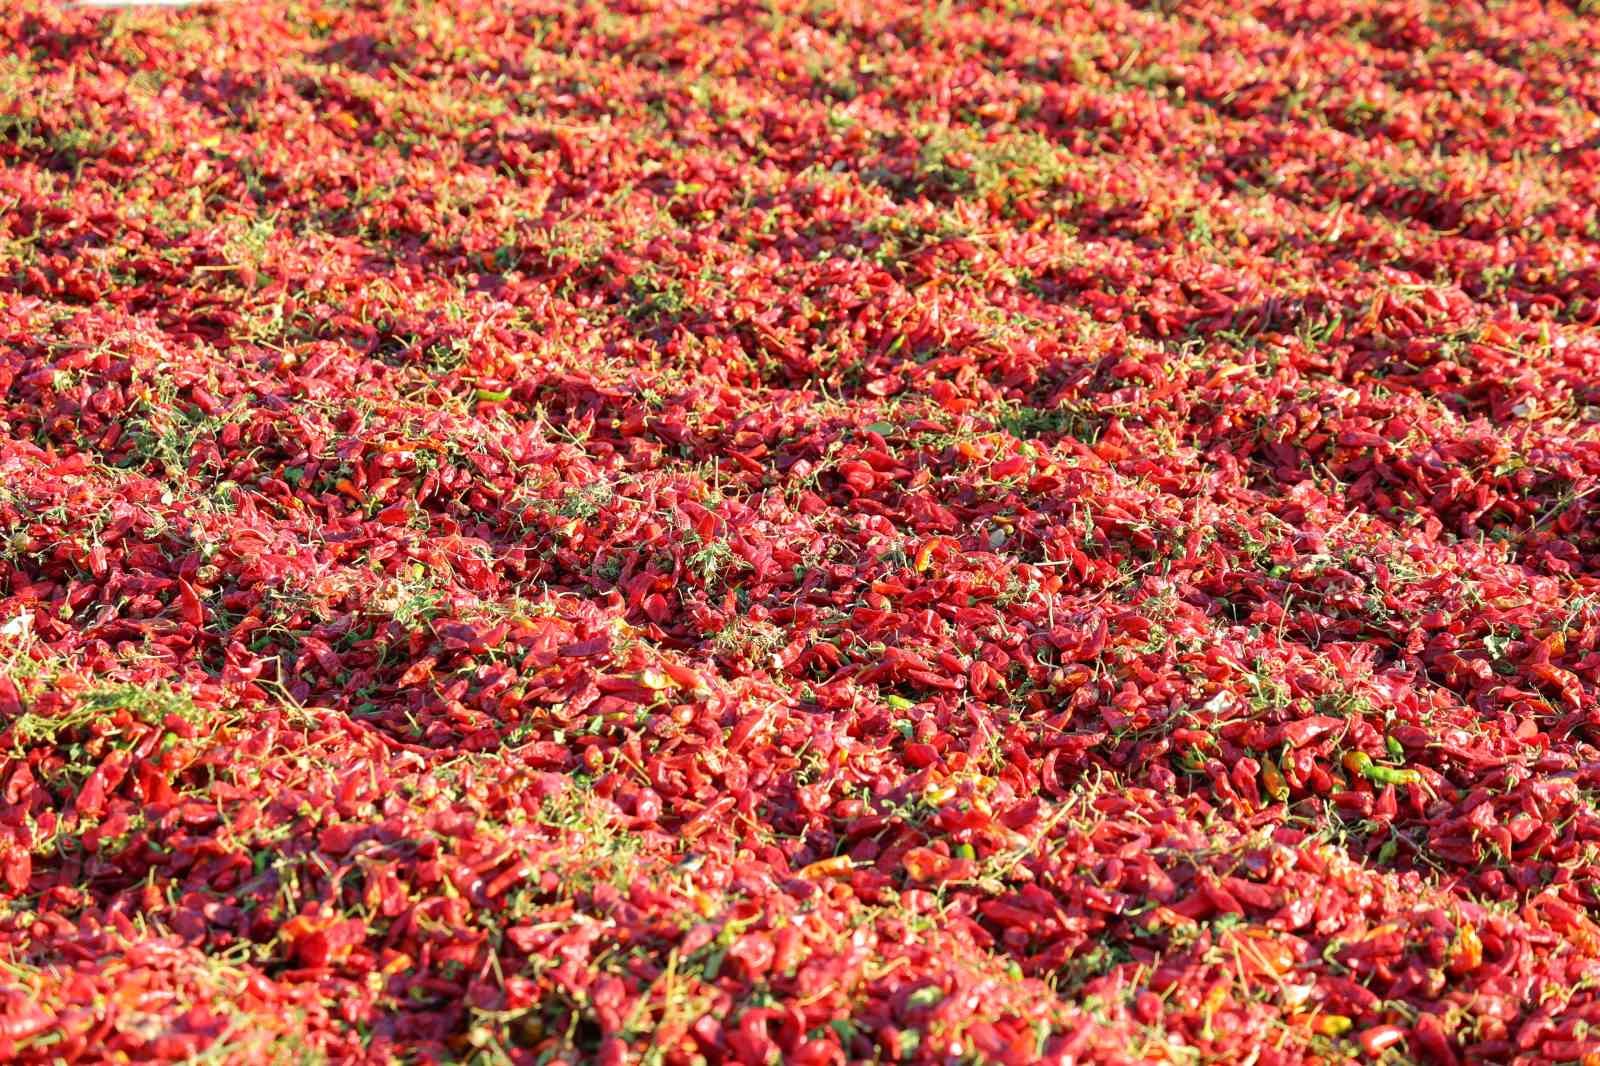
<point>1378,1039</point>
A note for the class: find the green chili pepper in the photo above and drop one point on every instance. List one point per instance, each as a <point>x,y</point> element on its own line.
<point>1359,762</point>
<point>1391,775</point>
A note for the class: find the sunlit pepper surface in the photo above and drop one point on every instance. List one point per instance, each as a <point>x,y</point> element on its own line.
<point>800,532</point>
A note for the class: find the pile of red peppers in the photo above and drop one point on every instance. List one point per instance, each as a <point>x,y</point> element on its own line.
<point>809,531</point>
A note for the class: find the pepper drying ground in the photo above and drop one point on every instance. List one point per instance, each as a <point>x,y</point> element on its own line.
<point>802,532</point>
